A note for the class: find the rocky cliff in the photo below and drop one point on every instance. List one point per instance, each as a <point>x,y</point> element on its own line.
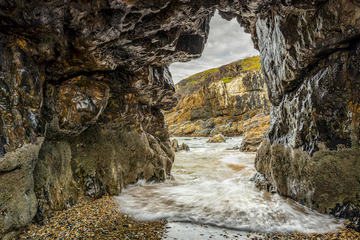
<point>231,96</point>
<point>226,73</point>
<point>82,79</point>
<point>311,153</point>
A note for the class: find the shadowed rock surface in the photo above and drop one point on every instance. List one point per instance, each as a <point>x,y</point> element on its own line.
<point>91,78</point>
<point>312,152</point>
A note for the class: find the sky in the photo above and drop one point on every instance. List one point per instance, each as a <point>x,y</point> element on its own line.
<point>227,43</point>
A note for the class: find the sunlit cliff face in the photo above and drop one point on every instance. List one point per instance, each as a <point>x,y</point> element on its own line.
<point>75,73</point>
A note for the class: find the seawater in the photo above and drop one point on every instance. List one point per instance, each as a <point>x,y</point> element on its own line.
<point>212,186</point>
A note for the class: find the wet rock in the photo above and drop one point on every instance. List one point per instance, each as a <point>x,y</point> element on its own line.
<point>158,89</point>
<point>88,165</point>
<point>348,211</point>
<point>355,225</point>
<point>233,148</point>
<point>100,138</point>
<point>96,74</point>
<point>294,173</point>
<point>175,146</point>
<point>21,95</point>
<point>21,133</point>
<point>217,139</point>
<point>262,183</point>
<point>311,73</point>
<point>74,105</point>
<point>185,147</point>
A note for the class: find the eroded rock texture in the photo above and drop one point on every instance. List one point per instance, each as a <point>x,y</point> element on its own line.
<point>100,137</point>
<point>220,108</point>
<point>91,77</point>
<point>309,54</point>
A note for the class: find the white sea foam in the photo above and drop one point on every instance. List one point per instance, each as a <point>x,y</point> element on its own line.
<point>212,187</point>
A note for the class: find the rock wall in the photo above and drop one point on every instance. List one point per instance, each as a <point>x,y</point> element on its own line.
<point>82,89</point>
<point>78,76</point>
<point>222,108</point>
<point>311,152</point>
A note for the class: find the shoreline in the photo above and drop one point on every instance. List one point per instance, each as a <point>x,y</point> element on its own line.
<point>103,219</point>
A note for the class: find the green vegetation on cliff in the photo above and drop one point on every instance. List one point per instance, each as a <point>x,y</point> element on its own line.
<point>226,80</point>
<point>192,82</point>
<point>251,63</point>
<point>225,73</point>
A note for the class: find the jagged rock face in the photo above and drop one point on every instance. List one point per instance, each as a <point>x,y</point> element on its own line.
<point>71,69</point>
<point>102,35</point>
<point>220,107</point>
<point>312,71</point>
<point>87,75</point>
<point>21,96</point>
<point>91,78</point>
<point>99,139</point>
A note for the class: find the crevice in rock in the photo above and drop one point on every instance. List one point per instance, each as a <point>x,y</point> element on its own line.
<point>320,57</point>
<point>9,171</point>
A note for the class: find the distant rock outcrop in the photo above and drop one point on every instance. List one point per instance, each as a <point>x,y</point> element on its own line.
<point>217,139</point>
<point>254,131</point>
<point>234,95</point>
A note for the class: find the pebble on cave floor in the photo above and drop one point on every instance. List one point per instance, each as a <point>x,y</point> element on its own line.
<point>94,219</point>
<point>102,219</point>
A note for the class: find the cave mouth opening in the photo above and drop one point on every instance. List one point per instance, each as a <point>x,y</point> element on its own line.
<point>227,42</point>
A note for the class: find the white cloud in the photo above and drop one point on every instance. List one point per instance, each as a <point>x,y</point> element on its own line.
<point>227,43</point>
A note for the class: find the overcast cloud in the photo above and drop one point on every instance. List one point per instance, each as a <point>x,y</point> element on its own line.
<point>227,43</point>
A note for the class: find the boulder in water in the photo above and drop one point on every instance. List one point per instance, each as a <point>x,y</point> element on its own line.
<point>175,146</point>
<point>233,148</point>
<point>217,139</point>
<point>184,147</point>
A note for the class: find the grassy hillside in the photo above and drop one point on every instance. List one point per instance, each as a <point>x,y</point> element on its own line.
<point>225,73</point>
<point>251,63</point>
<point>196,78</point>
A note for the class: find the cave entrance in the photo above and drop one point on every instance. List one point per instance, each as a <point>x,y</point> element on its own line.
<point>211,178</point>
<point>230,71</point>
<point>227,42</point>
